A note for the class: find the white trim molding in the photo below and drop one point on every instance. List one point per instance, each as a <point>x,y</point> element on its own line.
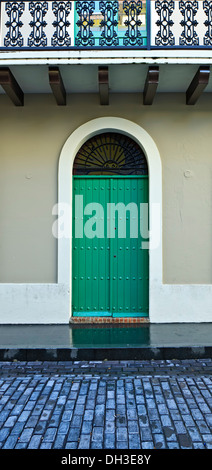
<point>153,57</point>
<point>68,153</point>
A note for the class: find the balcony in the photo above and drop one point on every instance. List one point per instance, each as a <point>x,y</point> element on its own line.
<point>146,25</point>
<point>105,47</point>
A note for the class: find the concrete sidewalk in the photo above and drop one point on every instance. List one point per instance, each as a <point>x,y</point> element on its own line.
<point>99,342</point>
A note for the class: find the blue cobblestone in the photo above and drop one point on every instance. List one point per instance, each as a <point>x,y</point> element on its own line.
<point>4,434</point>
<point>35,442</point>
<point>10,442</point>
<point>26,435</point>
<point>97,434</point>
<point>84,442</point>
<point>45,407</point>
<point>122,434</point>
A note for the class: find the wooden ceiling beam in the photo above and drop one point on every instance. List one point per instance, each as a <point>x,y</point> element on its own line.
<point>198,84</point>
<point>151,85</point>
<point>57,86</point>
<point>11,86</point>
<point>103,77</point>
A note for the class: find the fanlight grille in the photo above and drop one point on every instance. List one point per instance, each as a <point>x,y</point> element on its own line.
<point>110,154</point>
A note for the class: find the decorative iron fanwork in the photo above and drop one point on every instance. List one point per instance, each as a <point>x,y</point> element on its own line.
<point>110,154</point>
<point>133,36</point>
<point>85,36</point>
<point>38,11</point>
<point>14,11</point>
<point>109,36</point>
<point>207,6</point>
<point>164,36</point>
<point>61,37</point>
<point>189,36</point>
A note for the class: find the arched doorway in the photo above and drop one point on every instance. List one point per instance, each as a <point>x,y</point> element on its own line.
<point>65,199</point>
<point>110,266</point>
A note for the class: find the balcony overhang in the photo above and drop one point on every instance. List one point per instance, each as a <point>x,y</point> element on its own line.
<point>63,80</point>
<point>87,30</point>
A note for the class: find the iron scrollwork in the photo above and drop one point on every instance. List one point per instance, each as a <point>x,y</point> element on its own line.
<point>133,36</point>
<point>189,36</point>
<point>38,37</point>
<point>85,36</point>
<point>14,11</point>
<point>164,9</point>
<point>207,7</point>
<point>109,36</point>
<point>110,154</point>
<point>61,36</point>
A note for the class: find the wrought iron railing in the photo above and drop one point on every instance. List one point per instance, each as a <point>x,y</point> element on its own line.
<point>146,24</point>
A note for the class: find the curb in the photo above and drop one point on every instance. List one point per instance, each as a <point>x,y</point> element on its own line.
<point>89,354</point>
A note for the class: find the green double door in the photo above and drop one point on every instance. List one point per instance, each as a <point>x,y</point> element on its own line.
<point>110,267</point>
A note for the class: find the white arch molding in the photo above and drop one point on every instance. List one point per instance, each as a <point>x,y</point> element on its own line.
<point>67,156</point>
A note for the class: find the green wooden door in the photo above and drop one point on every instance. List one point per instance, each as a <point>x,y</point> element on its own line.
<point>110,269</point>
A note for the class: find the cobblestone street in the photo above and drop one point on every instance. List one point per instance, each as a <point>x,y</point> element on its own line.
<point>106,404</point>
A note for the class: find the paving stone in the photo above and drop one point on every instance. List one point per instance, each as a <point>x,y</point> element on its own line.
<point>21,445</point>
<point>10,421</point>
<point>18,428</point>
<point>188,420</point>
<point>10,442</point>
<point>88,415</point>
<point>71,445</point>
<point>55,420</point>
<point>110,426</point>
<point>41,427</point>
<point>133,427</point>
<point>96,444</point>
<point>198,445</point>
<point>156,427</point>
<point>109,440</point>
<point>179,426</point>
<point>84,442</point>
<point>87,427</point>
<point>26,435</point>
<point>63,427</point>
<point>122,445</point>
<point>4,433</point>
<point>24,416</point>
<point>122,434</point>
<point>185,441</point>
<point>35,442</point>
<point>194,434</point>
<point>148,445</point>
<point>46,445</point>
<point>134,441</point>
<point>159,441</point>
<point>132,414</point>
<point>207,441</point>
<point>173,445</point>
<point>97,434</point>
<point>49,435</point>
<point>202,426</point>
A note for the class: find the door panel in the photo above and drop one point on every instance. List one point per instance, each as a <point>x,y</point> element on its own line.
<point>110,275</point>
<point>90,260</point>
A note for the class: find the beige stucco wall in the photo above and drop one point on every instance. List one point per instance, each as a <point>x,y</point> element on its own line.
<point>31,139</point>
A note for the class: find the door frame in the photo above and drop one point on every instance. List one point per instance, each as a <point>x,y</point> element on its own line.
<point>65,171</point>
